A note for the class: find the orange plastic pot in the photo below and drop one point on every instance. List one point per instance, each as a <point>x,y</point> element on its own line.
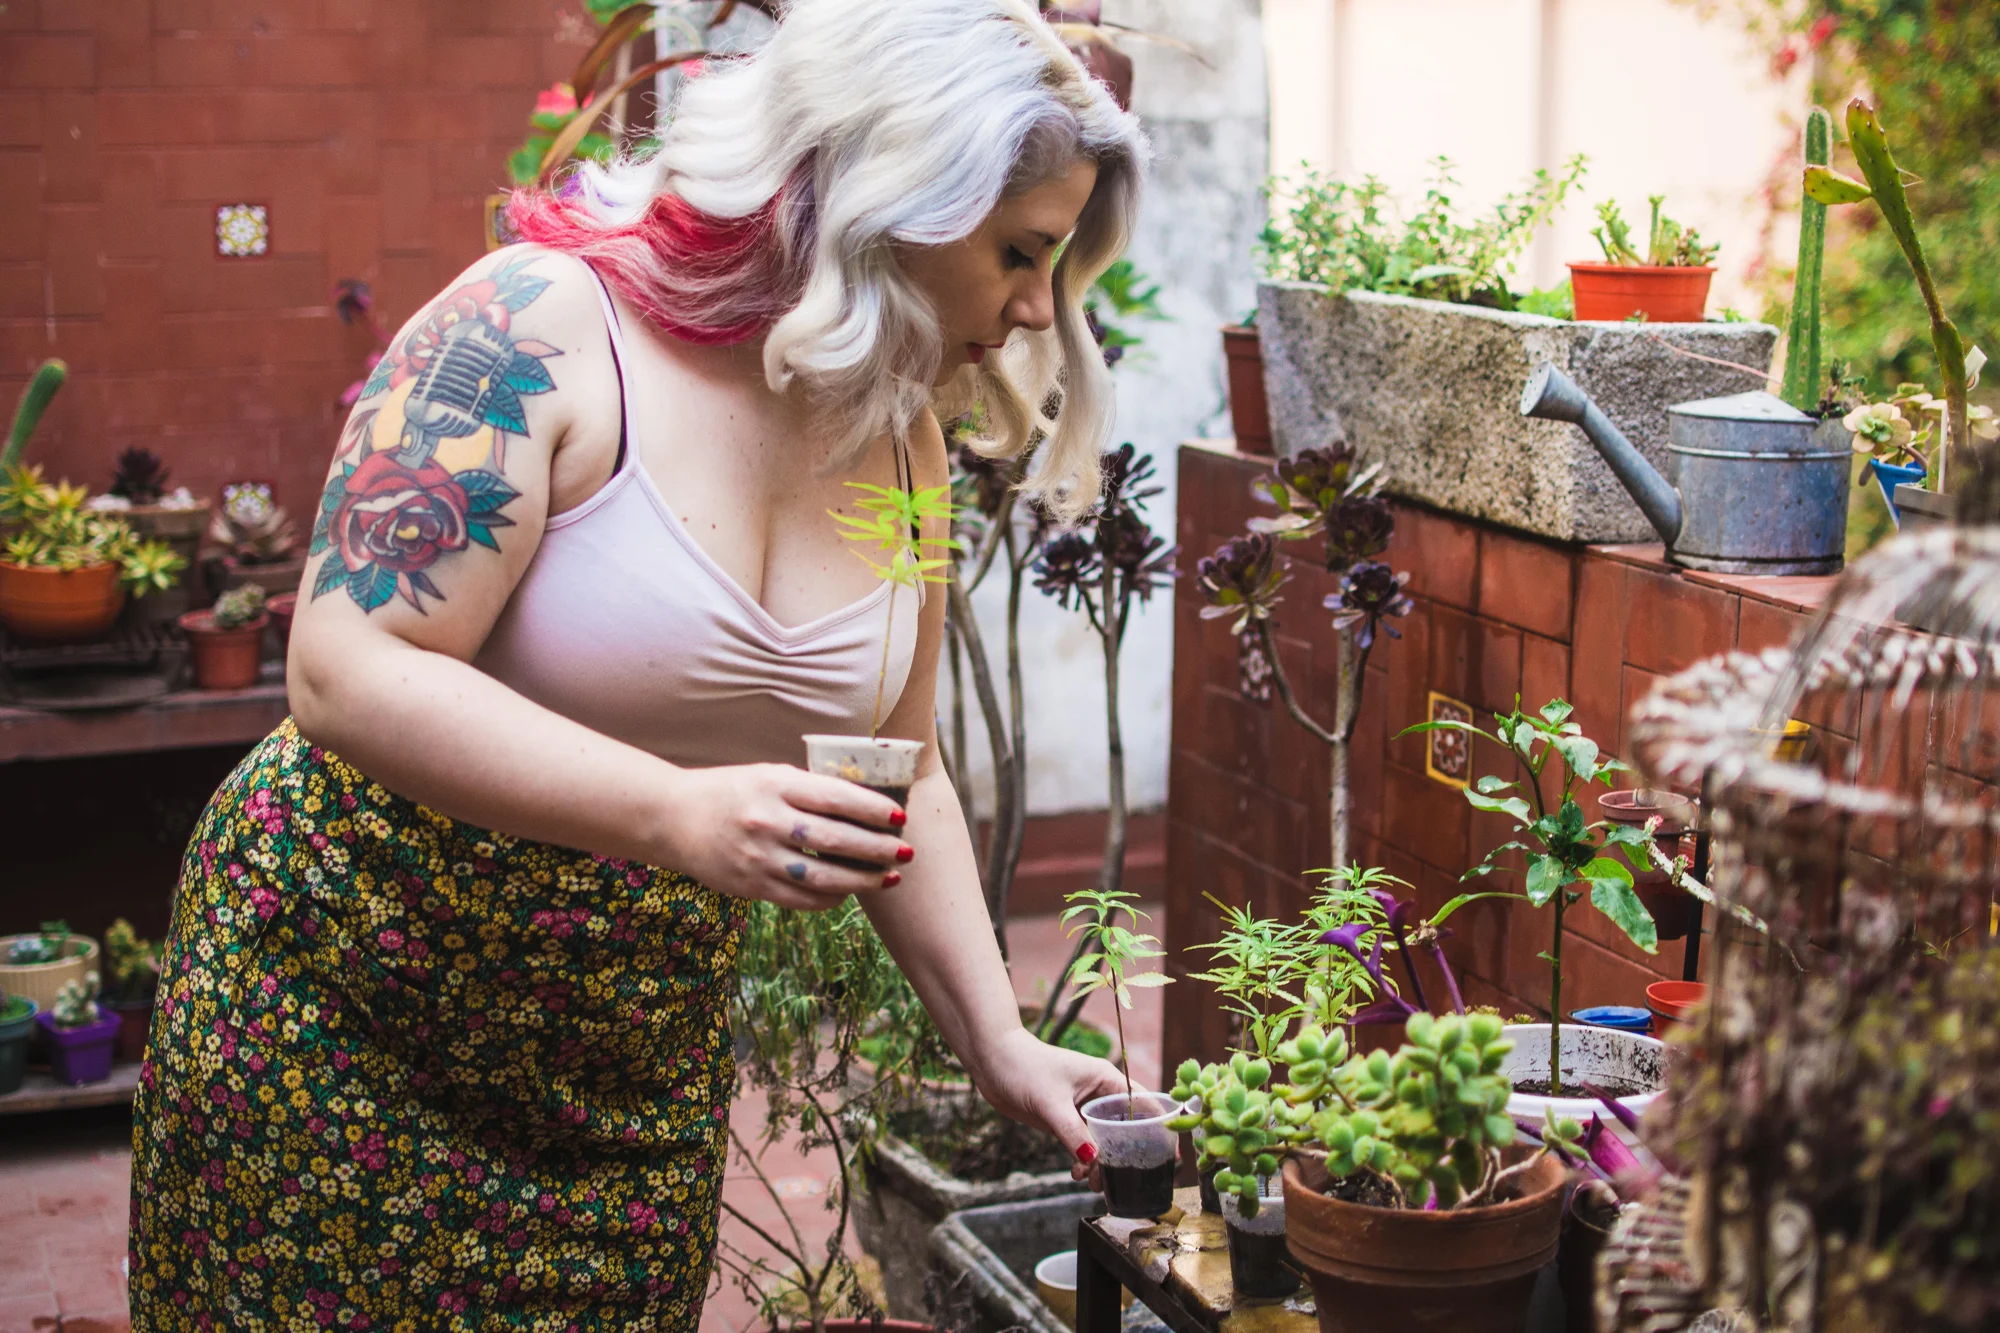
<point>59,606</point>
<point>1249,410</point>
<point>1464,1270</point>
<point>1663,294</point>
<point>224,659</point>
<point>1673,1001</point>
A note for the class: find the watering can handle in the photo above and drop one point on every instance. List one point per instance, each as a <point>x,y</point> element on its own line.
<point>1551,395</point>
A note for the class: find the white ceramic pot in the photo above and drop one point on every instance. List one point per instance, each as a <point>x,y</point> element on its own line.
<point>1603,1056</point>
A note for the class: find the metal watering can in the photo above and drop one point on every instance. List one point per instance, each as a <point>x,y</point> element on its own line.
<point>1762,486</point>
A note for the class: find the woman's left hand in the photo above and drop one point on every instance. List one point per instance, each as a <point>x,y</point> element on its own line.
<point>1028,1080</point>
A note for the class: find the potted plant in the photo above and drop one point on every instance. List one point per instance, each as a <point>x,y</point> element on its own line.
<point>39,965</point>
<point>80,1035</point>
<point>134,967</point>
<point>1396,334</point>
<point>17,1025</point>
<point>1665,283</point>
<point>1249,410</point>
<point>1564,858</point>
<point>1135,1147</point>
<point>258,542</point>
<point>1241,1124</point>
<point>1410,1200</point>
<point>227,639</point>
<point>1668,818</point>
<point>65,569</point>
<point>1958,360</point>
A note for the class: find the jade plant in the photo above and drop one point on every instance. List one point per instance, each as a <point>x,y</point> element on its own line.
<point>1425,1127</point>
<point>1958,360</point>
<point>889,538</point>
<point>76,1004</point>
<point>1241,1123</point>
<point>1668,243</point>
<point>1110,951</point>
<point>1565,856</point>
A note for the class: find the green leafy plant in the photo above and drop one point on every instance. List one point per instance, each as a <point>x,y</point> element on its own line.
<point>1110,952</point>
<point>50,946</point>
<point>1668,243</point>
<point>1349,237</point>
<point>1427,1123</point>
<point>889,538</point>
<point>49,525</point>
<point>252,528</point>
<point>1120,296</point>
<point>133,964</point>
<point>76,1003</point>
<point>1241,1123</point>
<point>1564,854</point>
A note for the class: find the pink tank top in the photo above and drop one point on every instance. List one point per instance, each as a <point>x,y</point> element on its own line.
<point>623,623</point>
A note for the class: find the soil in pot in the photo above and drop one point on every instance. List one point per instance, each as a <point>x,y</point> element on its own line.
<point>885,766</point>
<point>1135,1151</point>
<point>1139,1191</point>
<point>1259,1263</point>
<point>1617,1087</point>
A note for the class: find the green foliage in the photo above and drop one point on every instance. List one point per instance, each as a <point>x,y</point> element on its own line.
<point>891,527</point>
<point>1109,953</point>
<point>1120,296</point>
<point>1241,1123</point>
<point>51,946</point>
<point>239,606</point>
<point>49,525</point>
<point>1349,237</point>
<point>42,386</point>
<point>76,1003</point>
<point>1428,1122</point>
<point>1668,243</point>
<point>1804,336</point>
<point>1557,302</point>
<point>133,963</point>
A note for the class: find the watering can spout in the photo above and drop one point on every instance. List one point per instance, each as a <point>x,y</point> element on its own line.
<point>1552,396</point>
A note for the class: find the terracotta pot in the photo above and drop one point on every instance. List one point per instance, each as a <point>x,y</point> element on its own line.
<point>1249,411</point>
<point>1664,294</point>
<point>1467,1271</point>
<point>1674,1002</point>
<point>224,659</point>
<point>59,606</point>
<point>135,1017</point>
<point>281,609</point>
<point>1674,910</point>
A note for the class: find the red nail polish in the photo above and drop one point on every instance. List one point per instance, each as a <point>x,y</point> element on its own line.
<point>905,852</point>
<point>1086,1153</point>
<point>892,879</point>
<point>898,818</point>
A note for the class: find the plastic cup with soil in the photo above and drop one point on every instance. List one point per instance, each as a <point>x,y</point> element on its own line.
<point>881,764</point>
<point>1135,1151</point>
<point>1257,1254</point>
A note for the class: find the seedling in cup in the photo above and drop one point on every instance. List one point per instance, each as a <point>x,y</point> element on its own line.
<point>889,537</point>
<point>1135,1147</point>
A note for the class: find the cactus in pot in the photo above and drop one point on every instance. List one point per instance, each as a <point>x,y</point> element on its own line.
<point>79,1033</point>
<point>227,638</point>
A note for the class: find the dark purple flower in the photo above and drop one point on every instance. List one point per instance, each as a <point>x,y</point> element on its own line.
<point>1315,479</point>
<point>1369,594</point>
<point>1126,474</point>
<point>1067,566</point>
<point>1241,578</point>
<point>1142,557</point>
<point>1357,529</point>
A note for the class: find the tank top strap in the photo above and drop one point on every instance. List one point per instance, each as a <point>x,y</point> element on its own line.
<point>614,329</point>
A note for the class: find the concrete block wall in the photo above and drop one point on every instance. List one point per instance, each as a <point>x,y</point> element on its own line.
<point>1497,614</point>
<point>370,129</point>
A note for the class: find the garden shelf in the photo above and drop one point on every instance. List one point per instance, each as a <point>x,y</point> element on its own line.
<point>41,1092</point>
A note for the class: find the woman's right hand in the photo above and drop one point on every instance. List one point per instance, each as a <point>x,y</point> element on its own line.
<point>756,831</point>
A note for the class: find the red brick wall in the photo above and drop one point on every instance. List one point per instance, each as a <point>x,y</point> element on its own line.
<point>1497,613</point>
<point>371,129</point>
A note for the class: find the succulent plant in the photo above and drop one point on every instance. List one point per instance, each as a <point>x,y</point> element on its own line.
<point>49,525</point>
<point>76,1004</point>
<point>251,528</point>
<point>134,963</point>
<point>47,947</point>
<point>140,477</point>
<point>1243,1123</point>
<point>1668,244</point>
<point>1241,579</point>
<point>1370,593</point>
<point>35,399</point>
<point>239,606</point>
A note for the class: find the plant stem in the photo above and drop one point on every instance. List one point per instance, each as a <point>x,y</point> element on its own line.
<point>1555,996</point>
<point>882,673</point>
<point>1015,831</point>
<point>1284,684</point>
<point>961,778</point>
<point>967,627</point>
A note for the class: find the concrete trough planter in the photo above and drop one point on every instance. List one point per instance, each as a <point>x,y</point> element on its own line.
<point>1433,391</point>
<point>906,1197</point>
<point>987,1256</point>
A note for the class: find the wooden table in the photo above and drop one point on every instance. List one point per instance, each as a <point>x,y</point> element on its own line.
<point>184,719</point>
<point>1178,1265</point>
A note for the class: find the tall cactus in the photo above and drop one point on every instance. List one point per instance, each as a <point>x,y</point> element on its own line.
<point>49,377</point>
<point>1803,351</point>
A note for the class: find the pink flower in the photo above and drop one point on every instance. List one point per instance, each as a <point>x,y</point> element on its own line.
<point>1821,29</point>
<point>1782,62</point>
<point>558,99</point>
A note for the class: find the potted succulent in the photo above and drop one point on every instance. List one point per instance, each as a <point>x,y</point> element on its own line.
<point>17,1025</point>
<point>79,1033</point>
<point>1241,1125</point>
<point>1565,857</point>
<point>1666,283</point>
<point>257,540</point>
<point>227,639</point>
<point>65,569</point>
<point>134,967</point>
<point>1410,1199</point>
<point>39,965</point>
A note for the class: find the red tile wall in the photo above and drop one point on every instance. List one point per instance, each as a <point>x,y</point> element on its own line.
<point>1497,614</point>
<point>371,129</point>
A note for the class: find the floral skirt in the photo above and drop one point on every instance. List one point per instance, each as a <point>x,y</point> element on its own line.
<point>406,1073</point>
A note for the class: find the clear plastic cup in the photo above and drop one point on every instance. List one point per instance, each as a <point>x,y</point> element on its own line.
<point>1135,1151</point>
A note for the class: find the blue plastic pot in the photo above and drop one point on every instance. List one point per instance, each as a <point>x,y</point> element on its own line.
<point>1619,1017</point>
<point>1891,475</point>
<point>17,1024</point>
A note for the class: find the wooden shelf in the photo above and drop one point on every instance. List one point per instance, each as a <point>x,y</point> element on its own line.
<point>185,719</point>
<point>40,1092</point>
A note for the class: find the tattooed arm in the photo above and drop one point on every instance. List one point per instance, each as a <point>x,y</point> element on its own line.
<point>433,507</point>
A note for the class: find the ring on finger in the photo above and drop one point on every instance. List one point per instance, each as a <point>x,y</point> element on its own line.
<point>800,838</point>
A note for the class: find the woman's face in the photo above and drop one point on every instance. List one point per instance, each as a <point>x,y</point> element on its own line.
<point>997,279</point>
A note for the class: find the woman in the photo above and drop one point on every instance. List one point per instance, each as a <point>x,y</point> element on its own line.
<point>443,1041</point>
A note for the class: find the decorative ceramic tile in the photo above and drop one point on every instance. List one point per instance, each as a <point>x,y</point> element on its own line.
<point>242,230</point>
<point>1253,669</point>
<point>1448,753</point>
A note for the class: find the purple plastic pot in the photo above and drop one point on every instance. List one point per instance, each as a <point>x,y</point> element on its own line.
<point>80,1055</point>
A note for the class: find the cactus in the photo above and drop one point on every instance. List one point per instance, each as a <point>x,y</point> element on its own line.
<point>239,606</point>
<point>49,377</point>
<point>1803,350</point>
<point>76,1004</point>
